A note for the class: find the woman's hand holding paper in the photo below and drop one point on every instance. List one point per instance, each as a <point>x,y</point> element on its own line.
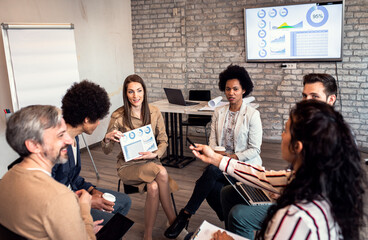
<point>146,155</point>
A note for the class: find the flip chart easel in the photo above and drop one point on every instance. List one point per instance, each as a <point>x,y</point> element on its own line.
<point>41,60</point>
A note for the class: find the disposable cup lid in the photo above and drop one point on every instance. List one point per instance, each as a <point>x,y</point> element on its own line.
<point>109,197</point>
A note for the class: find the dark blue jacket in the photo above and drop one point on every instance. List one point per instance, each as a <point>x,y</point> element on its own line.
<point>68,173</point>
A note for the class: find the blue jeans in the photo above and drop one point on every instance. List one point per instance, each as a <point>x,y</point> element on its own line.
<point>208,187</point>
<point>122,205</point>
<point>241,218</point>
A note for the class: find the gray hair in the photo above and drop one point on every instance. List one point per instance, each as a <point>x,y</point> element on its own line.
<point>29,123</point>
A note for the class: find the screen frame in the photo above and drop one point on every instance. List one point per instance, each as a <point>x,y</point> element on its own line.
<point>322,59</point>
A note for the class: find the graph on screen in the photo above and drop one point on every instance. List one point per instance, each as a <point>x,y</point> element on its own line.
<point>294,32</point>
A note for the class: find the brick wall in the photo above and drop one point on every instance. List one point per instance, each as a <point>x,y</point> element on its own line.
<point>189,49</point>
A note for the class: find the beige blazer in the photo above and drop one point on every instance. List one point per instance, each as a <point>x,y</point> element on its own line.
<point>158,128</point>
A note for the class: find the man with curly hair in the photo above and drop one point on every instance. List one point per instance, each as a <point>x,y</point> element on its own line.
<point>83,106</point>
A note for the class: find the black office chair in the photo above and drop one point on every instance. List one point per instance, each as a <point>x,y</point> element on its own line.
<point>7,234</point>
<point>198,120</point>
<point>128,189</point>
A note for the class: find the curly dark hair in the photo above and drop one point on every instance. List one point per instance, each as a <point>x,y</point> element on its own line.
<point>330,169</point>
<point>85,100</point>
<point>236,72</point>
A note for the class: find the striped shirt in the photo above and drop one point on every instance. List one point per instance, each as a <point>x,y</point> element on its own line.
<point>306,220</point>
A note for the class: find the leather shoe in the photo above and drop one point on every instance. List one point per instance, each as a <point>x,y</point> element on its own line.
<point>178,225</point>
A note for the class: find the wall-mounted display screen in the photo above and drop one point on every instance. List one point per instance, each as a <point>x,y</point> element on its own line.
<point>290,33</point>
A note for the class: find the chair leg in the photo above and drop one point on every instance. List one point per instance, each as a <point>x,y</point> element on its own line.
<point>186,135</point>
<point>119,185</point>
<point>173,201</point>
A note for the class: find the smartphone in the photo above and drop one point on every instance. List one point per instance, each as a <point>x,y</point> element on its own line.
<point>191,143</point>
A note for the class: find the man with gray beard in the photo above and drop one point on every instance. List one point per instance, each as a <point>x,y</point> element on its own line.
<point>32,203</point>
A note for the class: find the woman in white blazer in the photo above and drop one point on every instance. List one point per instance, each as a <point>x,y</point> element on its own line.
<point>238,128</point>
<point>247,133</point>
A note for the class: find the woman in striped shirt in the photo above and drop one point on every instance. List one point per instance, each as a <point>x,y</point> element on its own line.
<point>322,197</point>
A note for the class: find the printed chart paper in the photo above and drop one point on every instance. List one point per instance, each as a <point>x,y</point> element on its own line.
<point>206,231</point>
<point>136,141</point>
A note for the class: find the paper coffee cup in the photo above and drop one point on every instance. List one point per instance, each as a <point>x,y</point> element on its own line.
<point>109,197</point>
<point>220,150</point>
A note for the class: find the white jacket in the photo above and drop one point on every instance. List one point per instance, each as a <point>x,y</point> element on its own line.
<point>247,132</point>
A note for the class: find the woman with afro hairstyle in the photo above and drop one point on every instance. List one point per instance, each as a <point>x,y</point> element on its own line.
<point>238,128</point>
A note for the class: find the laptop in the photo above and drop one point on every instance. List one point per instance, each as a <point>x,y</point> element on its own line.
<point>251,195</point>
<point>175,96</point>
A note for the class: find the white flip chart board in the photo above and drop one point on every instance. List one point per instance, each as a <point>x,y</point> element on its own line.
<point>41,62</point>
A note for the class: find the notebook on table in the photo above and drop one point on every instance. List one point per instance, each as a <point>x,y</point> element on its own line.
<point>175,96</point>
<point>251,195</point>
